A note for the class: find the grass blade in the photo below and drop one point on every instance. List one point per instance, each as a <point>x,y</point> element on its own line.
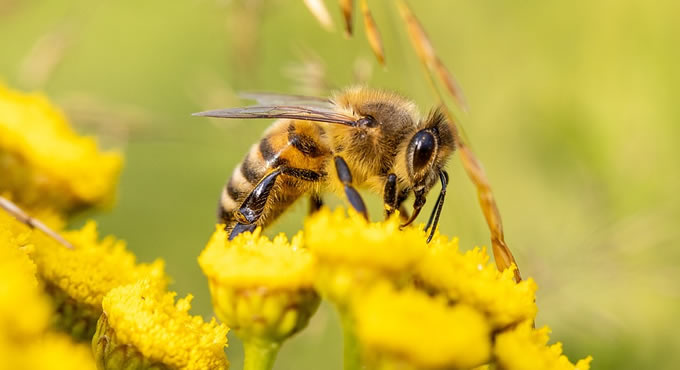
<point>320,12</point>
<point>372,33</point>
<point>347,7</point>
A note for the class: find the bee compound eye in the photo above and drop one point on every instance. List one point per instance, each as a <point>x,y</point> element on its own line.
<point>424,146</point>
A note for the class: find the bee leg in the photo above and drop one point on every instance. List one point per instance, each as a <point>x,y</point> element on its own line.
<point>390,195</point>
<point>437,210</point>
<point>353,195</point>
<point>315,203</point>
<point>252,207</point>
<point>241,228</point>
<point>403,211</point>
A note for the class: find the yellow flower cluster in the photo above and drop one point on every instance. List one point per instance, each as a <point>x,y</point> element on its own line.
<point>410,327</point>
<point>524,348</point>
<point>145,317</point>
<point>78,279</point>
<point>25,342</point>
<point>447,316</point>
<point>52,172</point>
<point>470,278</point>
<point>44,163</point>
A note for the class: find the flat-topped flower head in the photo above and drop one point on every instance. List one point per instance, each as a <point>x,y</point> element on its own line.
<point>410,330</point>
<point>256,261</point>
<point>525,348</point>
<point>78,279</point>
<point>143,325</point>
<point>44,163</point>
<point>348,238</point>
<point>470,278</point>
<point>353,253</point>
<point>262,288</point>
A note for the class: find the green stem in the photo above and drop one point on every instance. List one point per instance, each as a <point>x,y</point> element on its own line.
<point>260,355</point>
<point>352,360</point>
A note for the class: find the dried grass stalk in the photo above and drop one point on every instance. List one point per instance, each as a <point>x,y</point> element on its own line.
<point>433,65</point>
<point>421,42</point>
<point>372,33</point>
<point>320,12</point>
<point>347,7</point>
<point>31,222</point>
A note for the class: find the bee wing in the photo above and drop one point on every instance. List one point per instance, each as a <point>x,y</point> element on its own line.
<point>306,113</point>
<point>266,98</point>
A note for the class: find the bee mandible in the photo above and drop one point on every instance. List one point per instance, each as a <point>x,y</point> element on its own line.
<point>358,138</point>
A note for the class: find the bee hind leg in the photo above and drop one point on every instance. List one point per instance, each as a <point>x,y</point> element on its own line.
<point>252,207</point>
<point>241,228</point>
<point>352,194</point>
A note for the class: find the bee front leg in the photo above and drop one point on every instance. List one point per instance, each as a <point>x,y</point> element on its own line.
<point>352,194</point>
<point>403,211</point>
<point>390,195</point>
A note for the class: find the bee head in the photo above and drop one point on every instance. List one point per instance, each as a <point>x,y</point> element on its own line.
<point>428,151</point>
<point>426,155</point>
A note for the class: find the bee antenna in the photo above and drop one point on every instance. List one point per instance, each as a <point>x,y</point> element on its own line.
<point>437,210</point>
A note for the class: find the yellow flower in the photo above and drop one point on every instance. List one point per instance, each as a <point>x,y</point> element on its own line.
<point>24,311</point>
<point>49,351</point>
<point>353,252</point>
<point>261,288</point>
<point>45,163</point>
<point>78,279</point>
<point>256,261</point>
<point>524,348</point>
<point>143,325</point>
<point>470,278</point>
<point>409,330</point>
<point>54,351</point>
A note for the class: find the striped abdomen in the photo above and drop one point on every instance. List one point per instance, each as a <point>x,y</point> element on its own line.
<point>298,146</point>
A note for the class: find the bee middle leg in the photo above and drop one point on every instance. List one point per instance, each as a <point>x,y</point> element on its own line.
<point>352,194</point>
<point>390,195</point>
<point>315,203</point>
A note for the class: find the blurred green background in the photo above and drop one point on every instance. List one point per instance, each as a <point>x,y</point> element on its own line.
<point>574,113</point>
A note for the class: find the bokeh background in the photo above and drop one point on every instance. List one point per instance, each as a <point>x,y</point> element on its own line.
<point>574,112</point>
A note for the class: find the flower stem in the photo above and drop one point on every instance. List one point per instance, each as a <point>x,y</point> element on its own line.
<point>260,355</point>
<point>352,359</point>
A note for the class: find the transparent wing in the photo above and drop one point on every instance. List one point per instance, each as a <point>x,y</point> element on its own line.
<point>306,113</point>
<point>266,98</point>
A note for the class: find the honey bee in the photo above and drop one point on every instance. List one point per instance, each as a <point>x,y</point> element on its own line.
<point>358,138</point>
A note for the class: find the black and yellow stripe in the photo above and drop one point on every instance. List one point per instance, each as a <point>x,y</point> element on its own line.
<point>296,147</point>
